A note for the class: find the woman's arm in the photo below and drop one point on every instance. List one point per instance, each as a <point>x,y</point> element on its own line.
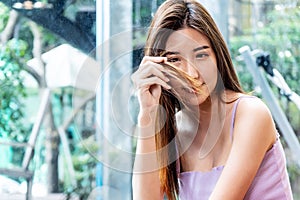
<point>145,179</point>
<point>254,133</point>
<point>148,79</point>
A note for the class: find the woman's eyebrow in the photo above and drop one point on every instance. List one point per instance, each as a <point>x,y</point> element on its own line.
<point>170,53</point>
<point>166,53</point>
<point>201,48</point>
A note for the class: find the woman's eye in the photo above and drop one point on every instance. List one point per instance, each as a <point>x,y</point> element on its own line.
<point>202,55</point>
<point>173,59</point>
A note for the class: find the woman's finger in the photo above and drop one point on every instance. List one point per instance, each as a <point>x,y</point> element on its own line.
<point>146,83</point>
<point>152,69</point>
<point>156,59</point>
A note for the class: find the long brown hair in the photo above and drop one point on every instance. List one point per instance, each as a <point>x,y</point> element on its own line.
<point>174,15</point>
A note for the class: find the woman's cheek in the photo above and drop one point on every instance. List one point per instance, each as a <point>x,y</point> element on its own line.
<point>209,74</point>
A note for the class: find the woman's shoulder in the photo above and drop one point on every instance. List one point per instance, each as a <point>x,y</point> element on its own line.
<point>254,116</point>
<point>248,108</point>
<point>251,105</point>
<point>248,99</point>
<point>246,103</point>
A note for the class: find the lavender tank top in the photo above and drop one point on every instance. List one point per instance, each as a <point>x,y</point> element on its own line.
<point>270,183</point>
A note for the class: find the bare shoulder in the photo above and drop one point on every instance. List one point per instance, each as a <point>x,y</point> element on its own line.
<point>253,108</point>
<point>250,108</point>
<point>248,105</point>
<point>254,119</point>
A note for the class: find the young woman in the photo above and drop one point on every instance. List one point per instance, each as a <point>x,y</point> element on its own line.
<point>200,136</point>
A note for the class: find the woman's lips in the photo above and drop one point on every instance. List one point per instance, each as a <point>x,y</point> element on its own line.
<point>192,90</point>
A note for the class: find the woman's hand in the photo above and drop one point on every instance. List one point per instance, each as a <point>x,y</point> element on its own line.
<point>148,80</point>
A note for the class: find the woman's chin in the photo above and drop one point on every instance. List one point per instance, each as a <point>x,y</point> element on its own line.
<point>194,99</point>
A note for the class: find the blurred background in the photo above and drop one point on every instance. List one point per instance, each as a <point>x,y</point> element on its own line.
<point>67,109</point>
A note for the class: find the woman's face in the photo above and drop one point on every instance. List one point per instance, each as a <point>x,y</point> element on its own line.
<point>191,51</point>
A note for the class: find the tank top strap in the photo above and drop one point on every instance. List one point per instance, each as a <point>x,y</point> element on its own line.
<point>234,113</point>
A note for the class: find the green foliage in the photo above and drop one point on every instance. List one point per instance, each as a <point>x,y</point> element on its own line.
<point>4,13</point>
<point>13,122</point>
<point>84,163</point>
<point>294,174</point>
<point>280,36</point>
<point>12,91</point>
<point>50,40</point>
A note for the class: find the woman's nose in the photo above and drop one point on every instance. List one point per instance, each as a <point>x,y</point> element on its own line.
<point>191,70</point>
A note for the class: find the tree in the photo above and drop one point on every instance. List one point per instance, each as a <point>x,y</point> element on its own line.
<point>81,29</point>
<point>15,53</point>
<point>37,40</point>
<point>12,88</point>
